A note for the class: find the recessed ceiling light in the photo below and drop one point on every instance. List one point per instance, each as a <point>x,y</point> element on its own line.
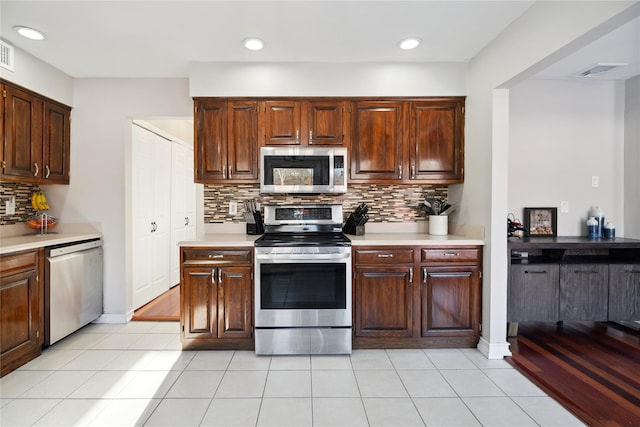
<point>30,33</point>
<point>253,43</point>
<point>410,43</point>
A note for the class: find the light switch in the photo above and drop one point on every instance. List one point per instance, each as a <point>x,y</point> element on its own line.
<point>595,181</point>
<point>233,208</point>
<point>564,206</point>
<point>10,206</point>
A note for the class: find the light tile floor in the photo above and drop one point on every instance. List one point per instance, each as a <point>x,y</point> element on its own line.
<point>136,374</point>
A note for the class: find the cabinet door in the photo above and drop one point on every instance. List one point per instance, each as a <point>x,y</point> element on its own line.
<point>242,142</point>
<point>624,292</point>
<point>211,141</point>
<point>584,292</point>
<point>324,120</point>
<point>20,313</point>
<point>436,141</point>
<point>234,302</point>
<point>199,294</point>
<point>383,301</point>
<point>23,128</point>
<point>281,122</point>
<point>56,144</point>
<point>376,141</point>
<point>450,300</point>
<point>533,293</point>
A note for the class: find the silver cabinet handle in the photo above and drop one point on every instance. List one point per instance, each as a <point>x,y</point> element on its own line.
<point>400,176</point>
<point>411,275</point>
<point>230,171</point>
<point>219,276</point>
<point>451,254</point>
<point>216,256</point>
<point>224,171</point>
<point>413,171</point>
<point>213,275</point>
<point>385,255</point>
<point>535,272</point>
<point>310,136</point>
<point>37,169</point>
<point>424,274</point>
<point>48,171</point>
<point>186,221</point>
<point>298,136</point>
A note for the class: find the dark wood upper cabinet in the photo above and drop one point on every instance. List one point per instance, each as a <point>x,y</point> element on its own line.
<point>390,140</point>
<point>37,137</point>
<point>281,122</point>
<point>226,141</point>
<point>376,140</point>
<point>210,140</point>
<point>56,146</point>
<point>242,150</point>
<point>436,147</point>
<point>23,125</point>
<point>325,122</point>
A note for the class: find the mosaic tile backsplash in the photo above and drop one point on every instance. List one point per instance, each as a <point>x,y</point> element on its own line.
<point>387,203</point>
<point>22,193</point>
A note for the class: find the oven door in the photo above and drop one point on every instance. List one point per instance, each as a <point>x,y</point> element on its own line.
<point>303,290</point>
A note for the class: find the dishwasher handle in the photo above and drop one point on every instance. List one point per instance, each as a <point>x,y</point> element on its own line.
<point>73,247</point>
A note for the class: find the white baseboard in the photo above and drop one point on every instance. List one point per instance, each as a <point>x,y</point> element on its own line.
<point>493,350</point>
<point>114,318</point>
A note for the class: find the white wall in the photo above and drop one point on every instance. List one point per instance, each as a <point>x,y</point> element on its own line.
<point>40,77</point>
<point>632,159</point>
<point>100,131</point>
<point>561,133</point>
<point>305,79</point>
<point>544,34</point>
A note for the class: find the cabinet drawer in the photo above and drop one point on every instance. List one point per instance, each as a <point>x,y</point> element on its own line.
<point>450,255</point>
<point>18,262</point>
<point>384,256</point>
<point>217,256</point>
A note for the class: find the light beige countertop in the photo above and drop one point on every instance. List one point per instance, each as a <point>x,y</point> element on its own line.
<point>16,238</point>
<point>414,234</point>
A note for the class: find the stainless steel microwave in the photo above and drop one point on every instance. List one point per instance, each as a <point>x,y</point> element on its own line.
<point>303,170</point>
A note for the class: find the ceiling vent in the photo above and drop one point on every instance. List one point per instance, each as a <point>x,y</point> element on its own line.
<point>599,68</point>
<point>6,55</point>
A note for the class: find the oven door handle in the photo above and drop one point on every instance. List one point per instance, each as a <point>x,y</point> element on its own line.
<point>301,257</point>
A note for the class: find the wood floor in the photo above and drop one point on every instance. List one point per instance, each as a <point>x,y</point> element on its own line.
<point>592,369</point>
<point>164,308</point>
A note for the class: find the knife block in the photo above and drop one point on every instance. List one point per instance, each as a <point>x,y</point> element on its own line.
<point>257,226</point>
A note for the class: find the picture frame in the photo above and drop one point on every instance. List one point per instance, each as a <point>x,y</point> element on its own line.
<point>540,222</point>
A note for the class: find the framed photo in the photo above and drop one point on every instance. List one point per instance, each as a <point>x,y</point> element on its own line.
<point>540,222</point>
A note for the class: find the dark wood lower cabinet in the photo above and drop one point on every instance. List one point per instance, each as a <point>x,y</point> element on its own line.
<point>450,301</point>
<point>216,298</point>
<point>384,302</point>
<point>21,309</point>
<point>437,307</point>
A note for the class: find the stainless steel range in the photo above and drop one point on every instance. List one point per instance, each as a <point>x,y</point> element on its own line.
<point>303,282</point>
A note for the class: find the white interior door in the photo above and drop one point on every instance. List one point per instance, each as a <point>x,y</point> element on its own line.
<point>151,198</point>
<point>183,206</point>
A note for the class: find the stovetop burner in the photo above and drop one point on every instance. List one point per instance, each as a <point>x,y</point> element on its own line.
<point>303,239</point>
<point>303,225</point>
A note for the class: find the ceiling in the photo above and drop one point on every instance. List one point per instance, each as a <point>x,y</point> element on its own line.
<point>160,38</point>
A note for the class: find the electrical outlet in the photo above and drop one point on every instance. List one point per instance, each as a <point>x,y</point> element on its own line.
<point>233,208</point>
<point>595,181</point>
<point>564,206</point>
<point>10,206</point>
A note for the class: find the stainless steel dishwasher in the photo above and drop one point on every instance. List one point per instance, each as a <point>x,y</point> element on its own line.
<point>74,287</point>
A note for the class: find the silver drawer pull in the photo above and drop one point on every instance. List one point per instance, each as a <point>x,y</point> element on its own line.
<point>385,255</point>
<point>217,256</point>
<point>451,254</point>
<point>536,272</point>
